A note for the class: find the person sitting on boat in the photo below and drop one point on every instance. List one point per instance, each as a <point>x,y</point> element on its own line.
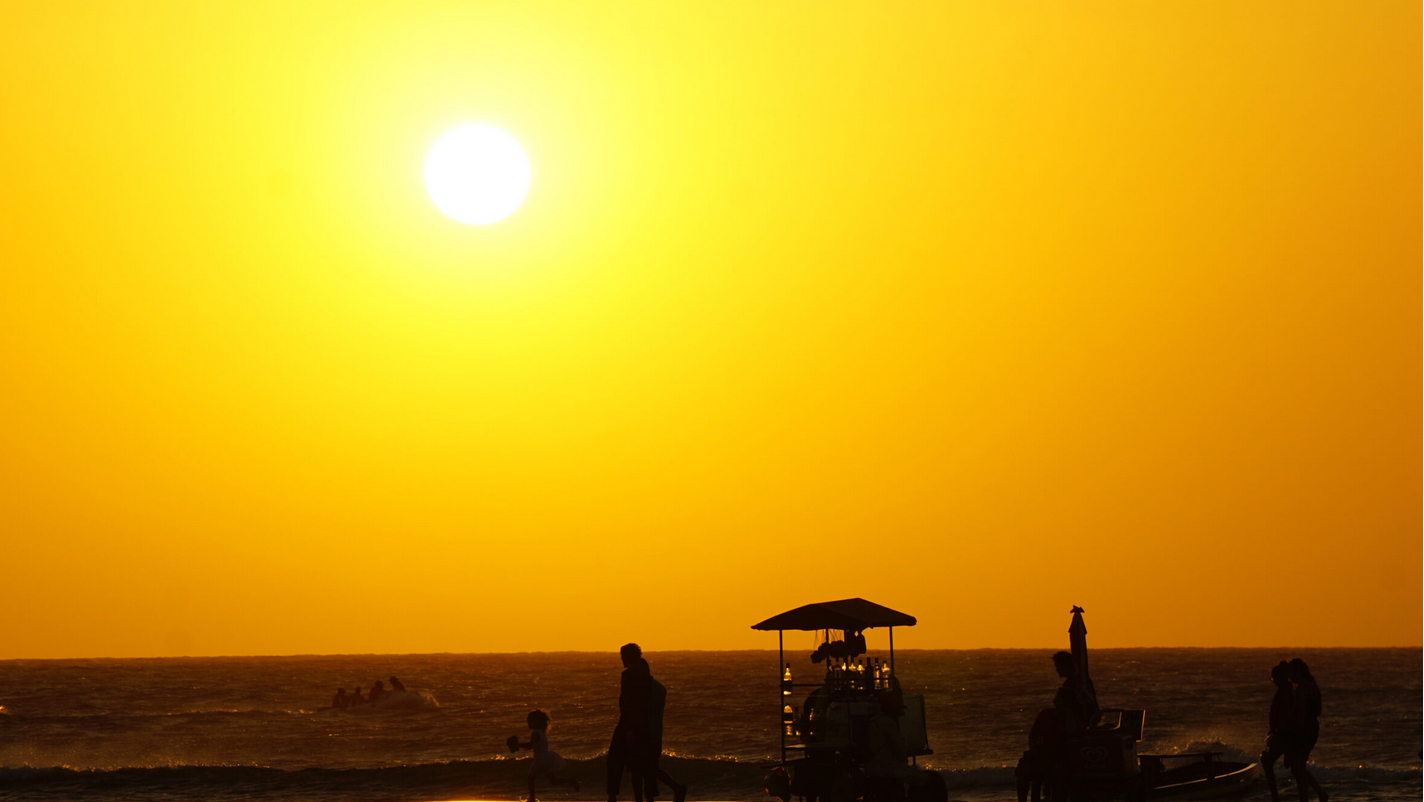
<point>356,697</point>
<point>377,691</point>
<point>396,686</point>
<point>1278,740</point>
<point>1078,698</point>
<point>340,702</point>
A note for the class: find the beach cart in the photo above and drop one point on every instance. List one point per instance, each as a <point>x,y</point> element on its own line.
<point>826,720</point>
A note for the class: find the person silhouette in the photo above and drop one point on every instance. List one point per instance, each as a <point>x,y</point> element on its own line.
<point>1307,722</point>
<point>546,763</point>
<point>645,780</point>
<point>627,749</point>
<point>340,702</point>
<point>1282,732</point>
<point>888,758</point>
<point>397,686</point>
<point>377,691</point>
<point>1077,696</point>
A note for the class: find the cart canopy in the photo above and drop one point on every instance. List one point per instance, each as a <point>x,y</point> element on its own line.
<point>856,614</point>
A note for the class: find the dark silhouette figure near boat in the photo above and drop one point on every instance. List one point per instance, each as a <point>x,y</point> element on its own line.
<point>1076,696</point>
<point>1075,705</point>
<point>1306,696</point>
<point>1043,757</point>
<point>1278,739</point>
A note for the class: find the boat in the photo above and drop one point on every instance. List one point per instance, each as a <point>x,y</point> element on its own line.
<point>1204,777</point>
<point>1103,763</point>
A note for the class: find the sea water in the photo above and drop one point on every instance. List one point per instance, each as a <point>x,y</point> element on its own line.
<point>254,728</point>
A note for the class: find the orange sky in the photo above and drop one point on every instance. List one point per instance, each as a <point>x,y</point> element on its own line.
<point>974,310</point>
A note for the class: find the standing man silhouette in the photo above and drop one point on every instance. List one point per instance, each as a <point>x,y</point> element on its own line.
<point>629,745</point>
<point>649,771</point>
<point>1282,732</point>
<point>1307,721</point>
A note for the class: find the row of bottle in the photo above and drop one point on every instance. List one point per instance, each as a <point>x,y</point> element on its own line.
<point>858,675</point>
<point>841,675</point>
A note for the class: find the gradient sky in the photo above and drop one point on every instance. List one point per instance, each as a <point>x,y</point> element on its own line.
<point>974,310</point>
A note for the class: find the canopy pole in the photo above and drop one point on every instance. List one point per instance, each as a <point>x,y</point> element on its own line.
<point>780,661</point>
<point>892,651</point>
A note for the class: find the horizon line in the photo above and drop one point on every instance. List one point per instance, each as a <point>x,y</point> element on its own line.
<point>694,651</point>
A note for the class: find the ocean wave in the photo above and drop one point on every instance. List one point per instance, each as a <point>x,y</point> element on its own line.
<point>978,777</point>
<point>406,702</point>
<point>485,779</point>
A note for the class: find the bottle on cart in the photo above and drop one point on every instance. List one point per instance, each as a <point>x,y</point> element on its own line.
<point>788,721</point>
<point>879,675</point>
<point>786,681</point>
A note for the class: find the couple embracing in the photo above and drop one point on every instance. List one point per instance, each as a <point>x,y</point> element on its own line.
<point>638,739</point>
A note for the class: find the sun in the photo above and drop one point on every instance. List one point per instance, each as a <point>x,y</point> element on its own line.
<point>477,174</point>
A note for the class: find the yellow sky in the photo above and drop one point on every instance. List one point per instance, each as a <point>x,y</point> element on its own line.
<point>974,310</point>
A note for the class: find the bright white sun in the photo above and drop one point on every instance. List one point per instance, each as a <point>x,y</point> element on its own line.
<point>477,174</point>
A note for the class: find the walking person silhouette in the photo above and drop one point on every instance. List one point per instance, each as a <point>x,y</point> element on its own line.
<point>1282,732</point>
<point>1307,720</point>
<point>649,772</point>
<point>627,749</point>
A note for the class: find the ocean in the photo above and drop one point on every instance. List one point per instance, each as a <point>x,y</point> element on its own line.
<point>254,728</point>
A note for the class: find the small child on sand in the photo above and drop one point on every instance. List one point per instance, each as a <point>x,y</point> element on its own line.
<point>546,763</point>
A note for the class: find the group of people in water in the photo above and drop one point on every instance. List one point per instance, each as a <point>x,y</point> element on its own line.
<point>343,700</point>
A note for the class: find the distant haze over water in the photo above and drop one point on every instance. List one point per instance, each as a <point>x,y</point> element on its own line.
<point>211,727</point>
